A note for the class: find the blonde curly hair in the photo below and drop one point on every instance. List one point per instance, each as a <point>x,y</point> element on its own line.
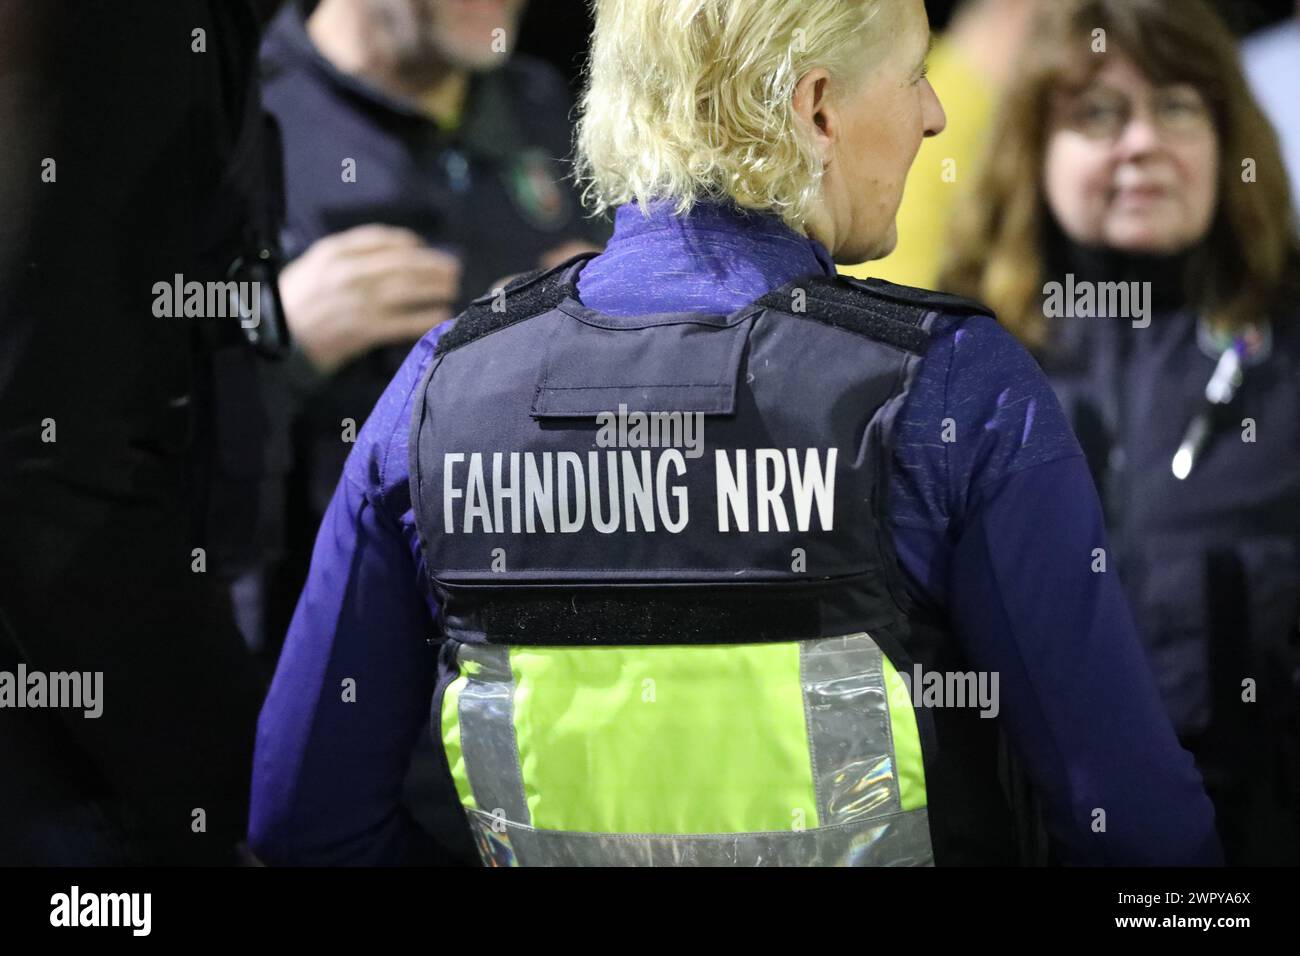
<point>691,100</point>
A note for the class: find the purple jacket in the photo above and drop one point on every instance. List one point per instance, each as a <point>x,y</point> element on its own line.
<point>995,531</point>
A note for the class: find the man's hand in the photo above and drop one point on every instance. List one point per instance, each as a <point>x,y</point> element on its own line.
<point>369,286</point>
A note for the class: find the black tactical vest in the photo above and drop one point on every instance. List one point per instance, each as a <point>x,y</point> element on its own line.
<point>681,480</point>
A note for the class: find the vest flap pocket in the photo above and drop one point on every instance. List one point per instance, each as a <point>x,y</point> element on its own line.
<point>663,364</point>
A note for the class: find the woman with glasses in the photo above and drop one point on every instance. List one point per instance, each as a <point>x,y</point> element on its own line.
<point>1133,227</point>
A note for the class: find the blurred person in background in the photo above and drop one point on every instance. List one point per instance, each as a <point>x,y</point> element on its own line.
<point>424,163</point>
<point>969,65</point>
<point>1272,60</point>
<point>1130,151</point>
<point>132,149</point>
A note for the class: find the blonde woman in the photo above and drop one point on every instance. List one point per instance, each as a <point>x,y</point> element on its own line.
<point>738,643</point>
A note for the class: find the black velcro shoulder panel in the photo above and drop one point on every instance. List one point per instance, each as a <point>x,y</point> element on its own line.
<point>924,298</point>
<point>892,314</point>
<point>531,294</point>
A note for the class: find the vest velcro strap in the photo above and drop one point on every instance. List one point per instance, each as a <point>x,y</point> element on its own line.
<point>696,616</point>
<point>828,299</point>
<point>528,295</point>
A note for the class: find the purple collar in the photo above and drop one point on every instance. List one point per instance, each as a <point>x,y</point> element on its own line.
<point>745,227</point>
<point>715,259</point>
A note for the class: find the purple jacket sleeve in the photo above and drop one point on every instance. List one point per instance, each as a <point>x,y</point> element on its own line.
<point>355,678</point>
<point>998,524</point>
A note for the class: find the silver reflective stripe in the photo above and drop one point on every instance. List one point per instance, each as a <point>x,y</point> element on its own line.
<point>487,731</point>
<point>492,837</point>
<point>901,839</point>
<point>851,757</point>
<point>848,729</point>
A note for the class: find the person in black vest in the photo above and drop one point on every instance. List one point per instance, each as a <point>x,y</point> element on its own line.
<point>1155,275</point>
<point>689,544</point>
<point>132,142</point>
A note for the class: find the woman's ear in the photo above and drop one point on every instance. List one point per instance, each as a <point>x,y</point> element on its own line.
<point>813,107</point>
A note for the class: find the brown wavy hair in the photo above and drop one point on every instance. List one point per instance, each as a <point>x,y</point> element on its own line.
<point>1000,235</point>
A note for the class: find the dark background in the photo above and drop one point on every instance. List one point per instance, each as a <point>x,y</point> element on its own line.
<point>557,30</point>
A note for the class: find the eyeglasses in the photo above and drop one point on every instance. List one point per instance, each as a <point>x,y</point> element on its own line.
<point>1176,112</point>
